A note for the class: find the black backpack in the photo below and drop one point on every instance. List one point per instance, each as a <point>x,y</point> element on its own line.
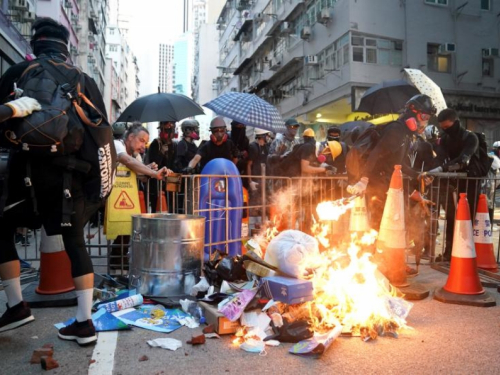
<point>360,150</point>
<point>69,128</point>
<point>480,162</point>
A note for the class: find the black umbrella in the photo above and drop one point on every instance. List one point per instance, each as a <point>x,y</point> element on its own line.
<point>160,107</point>
<point>352,129</point>
<point>387,97</point>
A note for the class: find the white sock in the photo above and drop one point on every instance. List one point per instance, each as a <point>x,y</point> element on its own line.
<point>12,289</point>
<point>84,309</point>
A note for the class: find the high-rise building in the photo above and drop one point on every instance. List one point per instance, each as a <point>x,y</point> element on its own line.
<point>166,68</point>
<point>183,64</point>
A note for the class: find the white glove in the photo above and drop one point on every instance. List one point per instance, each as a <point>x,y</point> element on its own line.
<point>253,185</point>
<point>23,107</point>
<point>359,187</point>
<point>436,170</point>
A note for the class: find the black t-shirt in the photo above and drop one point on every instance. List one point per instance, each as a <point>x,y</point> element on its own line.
<point>210,151</point>
<point>162,154</point>
<point>185,152</point>
<point>258,155</point>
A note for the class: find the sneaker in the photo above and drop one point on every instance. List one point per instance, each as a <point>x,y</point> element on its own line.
<point>16,316</point>
<point>411,272</point>
<point>81,332</point>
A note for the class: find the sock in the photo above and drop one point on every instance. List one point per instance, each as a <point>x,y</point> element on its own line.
<point>12,289</point>
<point>84,309</point>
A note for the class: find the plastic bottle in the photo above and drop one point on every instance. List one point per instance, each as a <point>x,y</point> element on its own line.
<point>197,313</point>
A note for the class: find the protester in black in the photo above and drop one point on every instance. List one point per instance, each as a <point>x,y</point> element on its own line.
<point>238,136</point>
<point>219,146</point>
<point>186,148</point>
<point>50,40</point>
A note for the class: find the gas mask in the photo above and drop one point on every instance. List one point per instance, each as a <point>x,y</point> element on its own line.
<point>218,136</point>
<point>167,134</point>
<point>193,134</point>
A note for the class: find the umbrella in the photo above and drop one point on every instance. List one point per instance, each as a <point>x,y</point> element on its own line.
<point>160,107</point>
<point>387,97</point>
<point>428,87</point>
<point>248,109</point>
<point>348,128</point>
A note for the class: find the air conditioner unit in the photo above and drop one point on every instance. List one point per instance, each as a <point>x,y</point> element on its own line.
<point>490,52</point>
<point>242,5</point>
<point>221,26</point>
<point>311,60</point>
<point>215,86</point>
<point>93,14</point>
<point>74,17</point>
<point>29,16</point>
<point>259,67</point>
<point>74,50</point>
<point>275,63</point>
<point>258,17</point>
<point>78,27</point>
<point>305,33</point>
<point>20,5</point>
<point>234,89</point>
<point>68,4</point>
<point>447,48</point>
<point>324,16</point>
<point>285,28</point>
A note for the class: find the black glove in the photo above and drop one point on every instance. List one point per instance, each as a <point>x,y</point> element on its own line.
<point>291,332</point>
<point>188,170</point>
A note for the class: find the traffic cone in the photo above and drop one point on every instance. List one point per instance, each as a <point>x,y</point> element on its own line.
<point>161,204</point>
<point>359,216</point>
<point>55,266</point>
<point>463,277</point>
<point>391,239</point>
<point>142,202</point>
<point>483,237</point>
<point>463,285</point>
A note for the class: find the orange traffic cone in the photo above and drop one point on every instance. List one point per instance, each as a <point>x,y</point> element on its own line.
<point>463,285</point>
<point>359,216</point>
<point>483,237</point>
<point>463,277</point>
<point>161,204</point>
<point>55,266</point>
<point>391,239</point>
<point>142,202</point>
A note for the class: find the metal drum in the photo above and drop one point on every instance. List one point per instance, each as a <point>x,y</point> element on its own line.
<point>166,254</point>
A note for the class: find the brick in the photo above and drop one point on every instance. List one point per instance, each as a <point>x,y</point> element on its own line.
<point>39,353</point>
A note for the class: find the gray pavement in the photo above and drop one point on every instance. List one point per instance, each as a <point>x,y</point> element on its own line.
<point>444,338</point>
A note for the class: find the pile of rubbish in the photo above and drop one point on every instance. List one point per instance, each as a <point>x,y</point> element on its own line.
<point>284,291</point>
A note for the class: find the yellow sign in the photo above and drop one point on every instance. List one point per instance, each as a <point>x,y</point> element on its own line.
<point>122,204</point>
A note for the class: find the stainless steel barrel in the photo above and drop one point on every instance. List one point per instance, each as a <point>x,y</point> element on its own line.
<point>166,254</point>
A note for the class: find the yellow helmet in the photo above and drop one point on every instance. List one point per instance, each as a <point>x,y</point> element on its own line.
<point>308,133</point>
<point>334,148</point>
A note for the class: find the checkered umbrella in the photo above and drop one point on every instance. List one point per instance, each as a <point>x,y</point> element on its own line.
<point>248,109</point>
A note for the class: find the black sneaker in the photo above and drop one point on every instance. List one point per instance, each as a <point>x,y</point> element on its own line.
<point>81,332</point>
<point>16,316</point>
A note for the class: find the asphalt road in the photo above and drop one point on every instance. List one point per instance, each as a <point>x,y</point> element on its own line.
<point>444,339</point>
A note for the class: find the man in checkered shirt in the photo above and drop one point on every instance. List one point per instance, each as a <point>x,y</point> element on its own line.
<point>283,143</point>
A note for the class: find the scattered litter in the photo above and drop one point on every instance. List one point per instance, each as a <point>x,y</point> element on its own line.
<point>209,329</point>
<point>39,353</point>
<point>153,317</point>
<point>233,307</point>
<point>144,358</point>
<point>189,322</point>
<point>202,286</point>
<point>197,340</point>
<point>49,363</point>
<point>34,337</point>
<point>272,343</point>
<point>253,346</point>
<point>316,345</point>
<point>165,343</point>
<point>122,304</point>
<point>212,335</point>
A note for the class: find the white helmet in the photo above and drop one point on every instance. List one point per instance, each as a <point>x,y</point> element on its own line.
<point>496,144</point>
<point>261,131</point>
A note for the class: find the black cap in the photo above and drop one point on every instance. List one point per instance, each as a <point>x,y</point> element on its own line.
<point>291,121</point>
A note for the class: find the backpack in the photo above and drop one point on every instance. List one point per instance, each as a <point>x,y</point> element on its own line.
<point>360,150</point>
<point>480,162</point>
<point>69,129</point>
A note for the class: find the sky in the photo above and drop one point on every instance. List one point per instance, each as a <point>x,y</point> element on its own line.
<point>151,22</point>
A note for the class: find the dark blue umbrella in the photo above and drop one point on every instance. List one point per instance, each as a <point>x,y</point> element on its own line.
<point>387,97</point>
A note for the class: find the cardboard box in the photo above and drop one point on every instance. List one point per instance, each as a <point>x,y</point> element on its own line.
<point>222,325</point>
<point>288,290</point>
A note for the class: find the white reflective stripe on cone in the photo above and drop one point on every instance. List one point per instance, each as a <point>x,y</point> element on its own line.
<point>482,229</point>
<point>50,244</point>
<point>463,244</point>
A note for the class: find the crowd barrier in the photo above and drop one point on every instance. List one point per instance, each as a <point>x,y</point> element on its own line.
<point>288,203</point>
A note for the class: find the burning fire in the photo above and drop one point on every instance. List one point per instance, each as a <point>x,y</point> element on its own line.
<point>333,210</point>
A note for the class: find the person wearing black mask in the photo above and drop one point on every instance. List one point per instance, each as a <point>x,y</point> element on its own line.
<point>334,134</point>
<point>161,151</point>
<point>240,139</point>
<point>49,40</point>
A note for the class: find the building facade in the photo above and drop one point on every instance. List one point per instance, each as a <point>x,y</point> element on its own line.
<point>314,59</point>
<point>166,71</point>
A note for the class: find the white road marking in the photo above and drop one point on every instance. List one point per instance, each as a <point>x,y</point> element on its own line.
<point>103,357</point>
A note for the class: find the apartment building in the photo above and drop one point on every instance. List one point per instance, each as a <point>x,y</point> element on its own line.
<point>314,59</point>
<point>166,70</point>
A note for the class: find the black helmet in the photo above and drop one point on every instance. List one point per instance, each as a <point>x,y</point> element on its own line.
<point>119,128</point>
<point>421,103</point>
<point>334,129</point>
<point>189,124</point>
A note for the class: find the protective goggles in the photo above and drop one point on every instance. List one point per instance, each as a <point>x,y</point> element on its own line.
<point>218,130</point>
<point>423,116</point>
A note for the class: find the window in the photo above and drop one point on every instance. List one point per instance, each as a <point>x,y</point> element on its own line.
<point>436,61</point>
<point>488,67</point>
<point>440,2</point>
<point>485,5</point>
<point>376,51</point>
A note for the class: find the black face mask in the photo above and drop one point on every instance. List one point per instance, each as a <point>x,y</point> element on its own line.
<point>454,129</point>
